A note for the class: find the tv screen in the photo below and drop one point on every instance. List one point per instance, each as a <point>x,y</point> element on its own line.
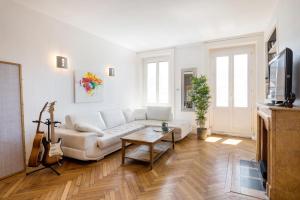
<point>280,73</point>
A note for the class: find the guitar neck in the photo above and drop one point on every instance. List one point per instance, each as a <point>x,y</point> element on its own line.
<point>52,129</point>
<point>38,125</point>
<point>40,118</point>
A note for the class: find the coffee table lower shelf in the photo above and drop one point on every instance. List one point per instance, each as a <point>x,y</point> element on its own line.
<point>142,152</point>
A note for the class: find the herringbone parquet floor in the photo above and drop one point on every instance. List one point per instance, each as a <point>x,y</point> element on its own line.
<point>194,170</point>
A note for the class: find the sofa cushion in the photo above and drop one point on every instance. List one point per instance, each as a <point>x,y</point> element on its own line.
<point>86,127</point>
<point>149,122</point>
<point>139,114</point>
<point>185,125</point>
<point>158,113</point>
<point>113,135</point>
<point>182,128</point>
<point>101,121</point>
<point>75,139</point>
<point>113,118</point>
<point>91,118</point>
<point>128,113</point>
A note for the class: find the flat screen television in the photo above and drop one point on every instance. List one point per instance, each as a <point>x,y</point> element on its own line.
<point>280,77</point>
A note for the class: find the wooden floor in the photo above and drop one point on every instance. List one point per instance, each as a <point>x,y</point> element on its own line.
<point>194,170</point>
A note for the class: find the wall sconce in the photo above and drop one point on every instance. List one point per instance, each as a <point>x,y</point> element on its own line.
<point>110,71</point>
<point>61,62</point>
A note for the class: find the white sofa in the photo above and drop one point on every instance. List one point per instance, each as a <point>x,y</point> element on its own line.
<point>101,131</point>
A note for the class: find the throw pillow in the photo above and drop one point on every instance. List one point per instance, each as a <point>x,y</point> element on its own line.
<point>85,127</point>
<point>113,117</point>
<point>128,113</point>
<point>139,114</point>
<point>158,113</point>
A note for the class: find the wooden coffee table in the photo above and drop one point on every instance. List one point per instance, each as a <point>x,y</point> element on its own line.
<point>150,144</point>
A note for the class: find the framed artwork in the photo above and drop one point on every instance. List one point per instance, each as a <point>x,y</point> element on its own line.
<point>186,87</point>
<point>88,87</point>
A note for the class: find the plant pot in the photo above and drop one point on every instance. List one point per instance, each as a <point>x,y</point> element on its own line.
<point>202,133</point>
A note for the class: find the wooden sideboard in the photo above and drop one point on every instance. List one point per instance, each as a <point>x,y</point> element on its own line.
<point>278,143</point>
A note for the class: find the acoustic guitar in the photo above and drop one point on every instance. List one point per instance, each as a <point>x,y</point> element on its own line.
<point>36,153</point>
<point>53,152</point>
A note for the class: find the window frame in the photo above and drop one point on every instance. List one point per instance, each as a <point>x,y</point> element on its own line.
<point>157,60</point>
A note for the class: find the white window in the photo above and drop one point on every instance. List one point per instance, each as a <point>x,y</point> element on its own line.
<point>222,78</point>
<point>157,81</point>
<point>151,83</point>
<point>240,80</point>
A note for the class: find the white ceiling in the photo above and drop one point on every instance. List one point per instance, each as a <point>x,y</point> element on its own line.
<point>150,24</point>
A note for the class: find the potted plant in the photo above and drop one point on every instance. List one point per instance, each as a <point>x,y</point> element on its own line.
<point>200,97</point>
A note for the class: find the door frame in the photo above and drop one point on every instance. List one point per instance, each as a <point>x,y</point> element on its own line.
<point>22,118</point>
<point>230,51</point>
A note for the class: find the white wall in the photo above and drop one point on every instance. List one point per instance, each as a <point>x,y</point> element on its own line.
<point>186,56</point>
<point>286,19</point>
<point>34,40</point>
<point>197,56</point>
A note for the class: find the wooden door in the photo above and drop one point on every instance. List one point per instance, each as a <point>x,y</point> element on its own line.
<point>12,151</point>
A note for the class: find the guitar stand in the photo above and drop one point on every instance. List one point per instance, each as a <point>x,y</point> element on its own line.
<point>45,167</point>
<point>56,172</point>
<point>48,123</point>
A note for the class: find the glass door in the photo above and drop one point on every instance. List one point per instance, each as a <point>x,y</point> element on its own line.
<point>232,96</point>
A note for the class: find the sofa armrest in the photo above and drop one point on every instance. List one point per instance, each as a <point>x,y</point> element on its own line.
<point>75,139</point>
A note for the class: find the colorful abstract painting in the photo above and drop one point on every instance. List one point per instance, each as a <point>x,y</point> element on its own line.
<point>90,82</point>
<point>88,87</point>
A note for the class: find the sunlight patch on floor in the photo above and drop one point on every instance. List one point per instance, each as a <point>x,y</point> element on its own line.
<point>232,141</point>
<point>213,139</point>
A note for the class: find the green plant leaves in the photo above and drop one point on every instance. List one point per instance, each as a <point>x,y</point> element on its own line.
<point>200,97</point>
